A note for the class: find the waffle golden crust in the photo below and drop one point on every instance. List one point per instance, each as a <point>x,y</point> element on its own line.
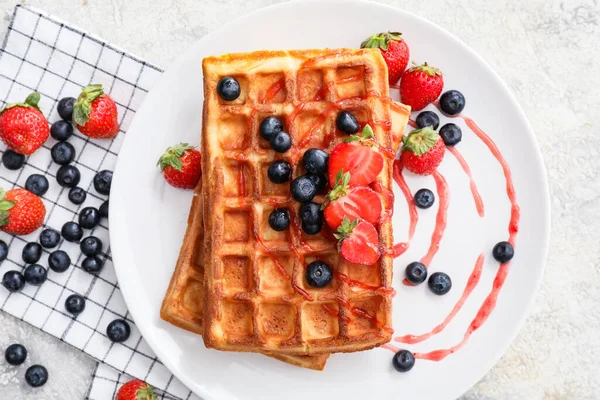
<point>256,297</point>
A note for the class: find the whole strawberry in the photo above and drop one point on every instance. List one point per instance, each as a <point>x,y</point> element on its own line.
<point>422,151</point>
<point>421,85</point>
<point>23,127</point>
<point>95,113</point>
<point>136,390</point>
<point>394,50</point>
<point>21,212</point>
<point>180,166</point>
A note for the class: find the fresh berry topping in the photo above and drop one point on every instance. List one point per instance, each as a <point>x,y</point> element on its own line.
<point>36,376</point>
<point>65,109</point>
<point>12,160</point>
<point>229,88</point>
<point>92,265</point>
<point>77,195</point>
<point>3,250</point>
<point>319,180</point>
<point>68,176</point>
<point>15,354</point>
<point>439,283</point>
<point>49,238</point>
<point>136,390</point>
<point>61,130</point>
<point>89,217</point>
<point>318,274</point>
<point>102,181</point>
<point>347,123</point>
<point>424,198</point>
<point>95,113</point>
<point>281,142</point>
<point>23,127</point>
<point>312,229</point>
<point>37,184</point>
<point>403,361</point>
<point>451,134</point>
<point>181,166</point>
<point>32,252</point>
<point>427,118</point>
<point>315,161</point>
<point>21,212</point>
<point>59,261</point>
<point>420,86</point>
<point>71,232</point>
<point>269,127</point>
<point>452,102</point>
<point>358,242</point>
<point>311,214</point>
<point>75,304</point>
<point>62,153</point>
<point>91,246</point>
<point>416,272</point>
<point>395,52</point>
<point>13,281</point>
<point>303,189</point>
<point>104,209</point>
<point>423,151</point>
<point>279,219</point>
<point>35,274</point>
<point>503,252</point>
<point>279,171</point>
<point>118,331</point>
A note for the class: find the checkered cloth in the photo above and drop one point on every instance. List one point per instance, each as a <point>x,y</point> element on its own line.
<point>41,53</point>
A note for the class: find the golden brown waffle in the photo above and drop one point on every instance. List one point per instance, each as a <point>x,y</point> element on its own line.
<point>256,297</point>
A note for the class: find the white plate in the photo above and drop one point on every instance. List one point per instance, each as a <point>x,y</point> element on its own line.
<point>148,218</point>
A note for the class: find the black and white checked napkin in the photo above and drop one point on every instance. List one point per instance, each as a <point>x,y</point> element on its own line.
<point>41,53</point>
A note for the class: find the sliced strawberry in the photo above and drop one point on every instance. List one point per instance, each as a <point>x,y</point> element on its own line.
<point>358,242</point>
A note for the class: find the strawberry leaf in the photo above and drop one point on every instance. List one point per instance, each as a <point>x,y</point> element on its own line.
<point>341,186</point>
<point>172,156</point>
<point>31,101</point>
<point>380,40</point>
<point>431,71</point>
<point>346,227</point>
<point>420,141</point>
<point>83,105</point>
<point>4,218</point>
<point>367,132</point>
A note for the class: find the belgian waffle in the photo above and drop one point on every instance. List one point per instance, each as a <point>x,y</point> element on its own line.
<point>256,297</point>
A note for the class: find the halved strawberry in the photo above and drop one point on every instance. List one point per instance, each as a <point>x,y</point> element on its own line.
<point>351,202</point>
<point>358,241</point>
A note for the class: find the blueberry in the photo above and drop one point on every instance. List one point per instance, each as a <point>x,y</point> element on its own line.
<point>77,195</point>
<point>92,265</point>
<point>311,214</point>
<point>61,130</point>
<point>37,184</point>
<point>75,304</point>
<point>35,274</point>
<point>315,161</point>
<point>416,272</point>
<point>228,88</point>
<point>36,376</point>
<point>303,189</point>
<point>71,231</point>
<point>279,219</point>
<point>15,354</point>
<point>427,118</point>
<point>65,108</point>
<point>439,283</point>
<point>49,238</point>
<point>319,181</point>
<point>3,250</point>
<point>59,261</point>
<point>318,274</point>
<point>118,331</point>
<point>102,181</point>
<point>281,142</point>
<point>89,217</point>
<point>424,198</point>
<point>503,252</point>
<point>62,153</point>
<point>312,229</point>
<point>269,127</point>
<point>91,246</point>
<point>13,281</point>
<point>104,209</point>
<point>12,160</point>
<point>452,102</point>
<point>403,361</point>
<point>451,134</point>
<point>279,171</point>
<point>347,123</point>
<point>31,253</point>
<point>68,176</point>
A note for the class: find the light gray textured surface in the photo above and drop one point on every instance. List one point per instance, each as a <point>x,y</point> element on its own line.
<point>547,53</point>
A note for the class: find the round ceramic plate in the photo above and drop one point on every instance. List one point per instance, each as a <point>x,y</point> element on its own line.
<point>148,219</point>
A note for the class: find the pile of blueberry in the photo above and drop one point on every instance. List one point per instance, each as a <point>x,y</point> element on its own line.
<point>36,375</point>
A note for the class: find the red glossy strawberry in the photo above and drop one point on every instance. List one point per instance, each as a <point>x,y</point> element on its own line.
<point>351,202</point>
<point>95,113</point>
<point>21,212</point>
<point>181,166</point>
<point>422,151</point>
<point>358,242</point>
<point>358,155</point>
<point>394,50</point>
<point>421,85</point>
<point>136,390</point>
<point>23,127</point>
